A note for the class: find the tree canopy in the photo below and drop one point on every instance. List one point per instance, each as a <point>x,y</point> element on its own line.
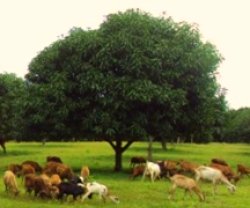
<point>134,77</point>
<point>12,92</point>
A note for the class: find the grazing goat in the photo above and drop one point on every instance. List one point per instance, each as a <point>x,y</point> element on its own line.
<point>15,168</point>
<point>53,159</point>
<point>10,182</point>
<point>215,176</point>
<point>219,161</point>
<point>66,188</point>
<point>168,167</point>
<point>100,189</point>
<point>227,171</point>
<point>186,183</point>
<point>64,171</point>
<point>55,180</point>
<point>137,160</point>
<point>153,170</point>
<point>243,170</point>
<point>187,167</point>
<point>27,169</point>
<point>34,164</point>
<point>137,171</point>
<point>40,186</point>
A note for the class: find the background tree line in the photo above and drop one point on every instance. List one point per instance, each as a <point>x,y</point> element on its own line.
<point>136,78</point>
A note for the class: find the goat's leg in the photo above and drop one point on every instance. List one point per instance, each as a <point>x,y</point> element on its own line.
<point>172,192</point>
<point>85,195</point>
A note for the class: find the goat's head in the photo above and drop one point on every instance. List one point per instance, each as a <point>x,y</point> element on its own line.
<point>231,188</point>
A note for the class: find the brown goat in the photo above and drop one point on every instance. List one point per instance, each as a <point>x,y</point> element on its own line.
<point>187,167</point>
<point>186,183</point>
<point>39,186</point>
<point>27,169</point>
<point>62,170</point>
<point>10,182</point>
<point>34,164</point>
<point>15,168</point>
<point>219,161</point>
<point>243,170</point>
<point>168,167</point>
<point>85,172</point>
<point>54,159</point>
<point>137,171</point>
<point>227,171</point>
<point>55,180</point>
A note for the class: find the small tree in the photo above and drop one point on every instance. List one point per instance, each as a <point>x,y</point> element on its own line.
<point>124,82</point>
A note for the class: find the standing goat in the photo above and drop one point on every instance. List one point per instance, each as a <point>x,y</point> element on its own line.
<point>153,170</point>
<point>213,175</point>
<point>10,183</point>
<point>186,183</point>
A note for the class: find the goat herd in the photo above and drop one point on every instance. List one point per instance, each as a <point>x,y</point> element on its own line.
<point>180,174</point>
<point>56,179</point>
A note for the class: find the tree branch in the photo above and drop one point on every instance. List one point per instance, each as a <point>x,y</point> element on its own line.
<point>110,142</point>
<point>127,145</point>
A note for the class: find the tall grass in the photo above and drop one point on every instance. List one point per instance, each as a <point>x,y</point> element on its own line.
<point>99,156</point>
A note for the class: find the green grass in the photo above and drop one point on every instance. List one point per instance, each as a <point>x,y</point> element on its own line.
<point>99,156</point>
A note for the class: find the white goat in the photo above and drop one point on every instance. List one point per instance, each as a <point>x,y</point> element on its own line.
<point>213,175</point>
<point>100,189</point>
<point>153,170</point>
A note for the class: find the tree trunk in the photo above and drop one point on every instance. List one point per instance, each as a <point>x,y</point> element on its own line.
<point>164,144</point>
<point>2,144</point>
<point>150,148</point>
<point>118,156</point>
<point>119,149</point>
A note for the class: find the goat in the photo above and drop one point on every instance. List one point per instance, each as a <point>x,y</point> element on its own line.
<point>168,167</point>
<point>186,183</point>
<point>15,168</point>
<point>34,164</point>
<point>137,160</point>
<point>219,161</point>
<point>100,189</point>
<point>10,182</point>
<point>187,167</point>
<point>153,170</point>
<point>213,175</point>
<point>85,172</point>
<point>227,171</point>
<point>243,170</point>
<point>137,170</point>
<point>66,188</point>
<point>53,159</point>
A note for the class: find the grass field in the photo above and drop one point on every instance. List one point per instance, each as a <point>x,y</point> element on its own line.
<point>132,194</point>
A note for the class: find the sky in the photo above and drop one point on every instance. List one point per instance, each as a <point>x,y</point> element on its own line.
<point>28,26</point>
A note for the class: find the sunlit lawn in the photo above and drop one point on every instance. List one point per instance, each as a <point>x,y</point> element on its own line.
<point>99,156</point>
